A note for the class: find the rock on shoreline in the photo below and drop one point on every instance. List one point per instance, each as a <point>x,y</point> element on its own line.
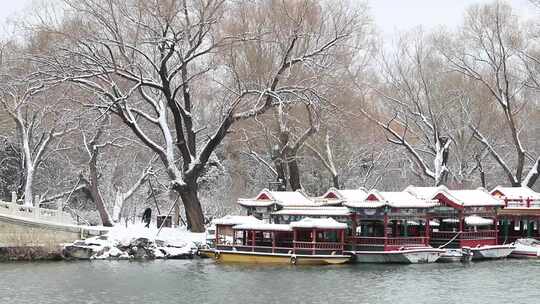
<point>137,243</point>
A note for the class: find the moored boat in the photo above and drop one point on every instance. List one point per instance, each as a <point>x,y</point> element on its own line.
<point>391,227</point>
<point>520,216</point>
<point>492,252</point>
<point>526,249</point>
<point>462,255</point>
<point>468,218</point>
<point>306,242</point>
<point>412,255</point>
<point>228,256</point>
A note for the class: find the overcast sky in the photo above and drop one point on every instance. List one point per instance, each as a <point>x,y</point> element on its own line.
<point>390,15</point>
<point>401,15</point>
<point>10,7</point>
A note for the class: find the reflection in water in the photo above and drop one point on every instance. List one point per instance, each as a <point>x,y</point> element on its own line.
<point>202,281</point>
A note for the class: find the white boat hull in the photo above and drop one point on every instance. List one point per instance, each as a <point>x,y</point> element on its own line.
<point>526,251</point>
<point>456,255</point>
<point>406,256</point>
<point>492,252</point>
<point>525,254</point>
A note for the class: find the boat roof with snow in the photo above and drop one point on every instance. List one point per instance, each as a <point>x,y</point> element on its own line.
<point>479,197</point>
<point>336,196</point>
<point>306,223</point>
<point>515,193</point>
<point>236,220</point>
<point>267,198</point>
<point>314,211</point>
<point>402,199</point>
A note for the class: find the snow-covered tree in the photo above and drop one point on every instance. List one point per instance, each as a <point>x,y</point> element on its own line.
<point>38,111</point>
<point>143,61</point>
<point>488,50</point>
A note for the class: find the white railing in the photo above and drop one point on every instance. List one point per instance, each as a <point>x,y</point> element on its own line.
<point>30,212</point>
<point>523,204</point>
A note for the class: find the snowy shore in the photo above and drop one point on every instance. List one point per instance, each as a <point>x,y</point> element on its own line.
<point>137,242</point>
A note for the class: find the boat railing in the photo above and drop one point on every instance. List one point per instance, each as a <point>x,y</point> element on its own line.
<point>465,235</point>
<point>401,241</point>
<point>298,247</point>
<point>394,241</point>
<point>483,234</point>
<point>527,203</point>
<point>318,245</point>
<point>264,249</point>
<point>365,240</point>
<point>31,212</point>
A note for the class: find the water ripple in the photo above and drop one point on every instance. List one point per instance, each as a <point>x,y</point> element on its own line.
<point>202,281</point>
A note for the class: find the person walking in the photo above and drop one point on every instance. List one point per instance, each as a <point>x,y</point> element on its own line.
<point>147,217</point>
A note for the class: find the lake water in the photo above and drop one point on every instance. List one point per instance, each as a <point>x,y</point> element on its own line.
<point>203,281</point>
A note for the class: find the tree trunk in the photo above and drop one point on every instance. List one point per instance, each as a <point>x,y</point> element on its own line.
<point>192,205</point>
<point>442,147</point>
<point>481,170</point>
<point>28,194</point>
<point>96,195</point>
<point>100,205</point>
<point>281,174</point>
<point>533,174</point>
<point>335,181</point>
<point>122,197</point>
<point>294,173</point>
<point>483,179</point>
<point>176,215</point>
<point>118,205</point>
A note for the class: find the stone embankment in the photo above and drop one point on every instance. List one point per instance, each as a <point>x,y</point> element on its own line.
<point>31,233</point>
<point>30,253</point>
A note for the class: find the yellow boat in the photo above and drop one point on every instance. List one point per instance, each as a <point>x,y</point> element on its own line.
<point>225,256</point>
<point>306,242</point>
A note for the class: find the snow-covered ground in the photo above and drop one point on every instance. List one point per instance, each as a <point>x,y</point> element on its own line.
<point>175,236</point>
<point>136,241</point>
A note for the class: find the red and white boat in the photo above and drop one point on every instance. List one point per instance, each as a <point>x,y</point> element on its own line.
<point>486,252</point>
<point>405,255</point>
<point>526,249</point>
<point>391,227</point>
<point>468,218</point>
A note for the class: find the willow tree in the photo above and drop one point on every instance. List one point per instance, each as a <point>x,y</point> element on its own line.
<point>413,105</point>
<point>489,51</point>
<point>154,65</point>
<point>276,142</point>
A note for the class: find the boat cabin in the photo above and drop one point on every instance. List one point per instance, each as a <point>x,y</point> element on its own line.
<point>387,221</point>
<point>266,202</point>
<point>520,216</point>
<point>309,236</point>
<point>224,227</point>
<point>294,214</point>
<point>465,217</point>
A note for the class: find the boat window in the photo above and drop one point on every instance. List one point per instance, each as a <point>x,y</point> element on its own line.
<point>331,236</point>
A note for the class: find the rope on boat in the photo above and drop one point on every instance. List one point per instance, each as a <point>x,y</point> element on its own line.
<point>451,240</point>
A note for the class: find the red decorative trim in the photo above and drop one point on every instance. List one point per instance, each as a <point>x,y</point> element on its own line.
<point>497,193</point>
<point>372,197</point>
<point>263,196</point>
<point>331,195</point>
<point>447,201</point>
